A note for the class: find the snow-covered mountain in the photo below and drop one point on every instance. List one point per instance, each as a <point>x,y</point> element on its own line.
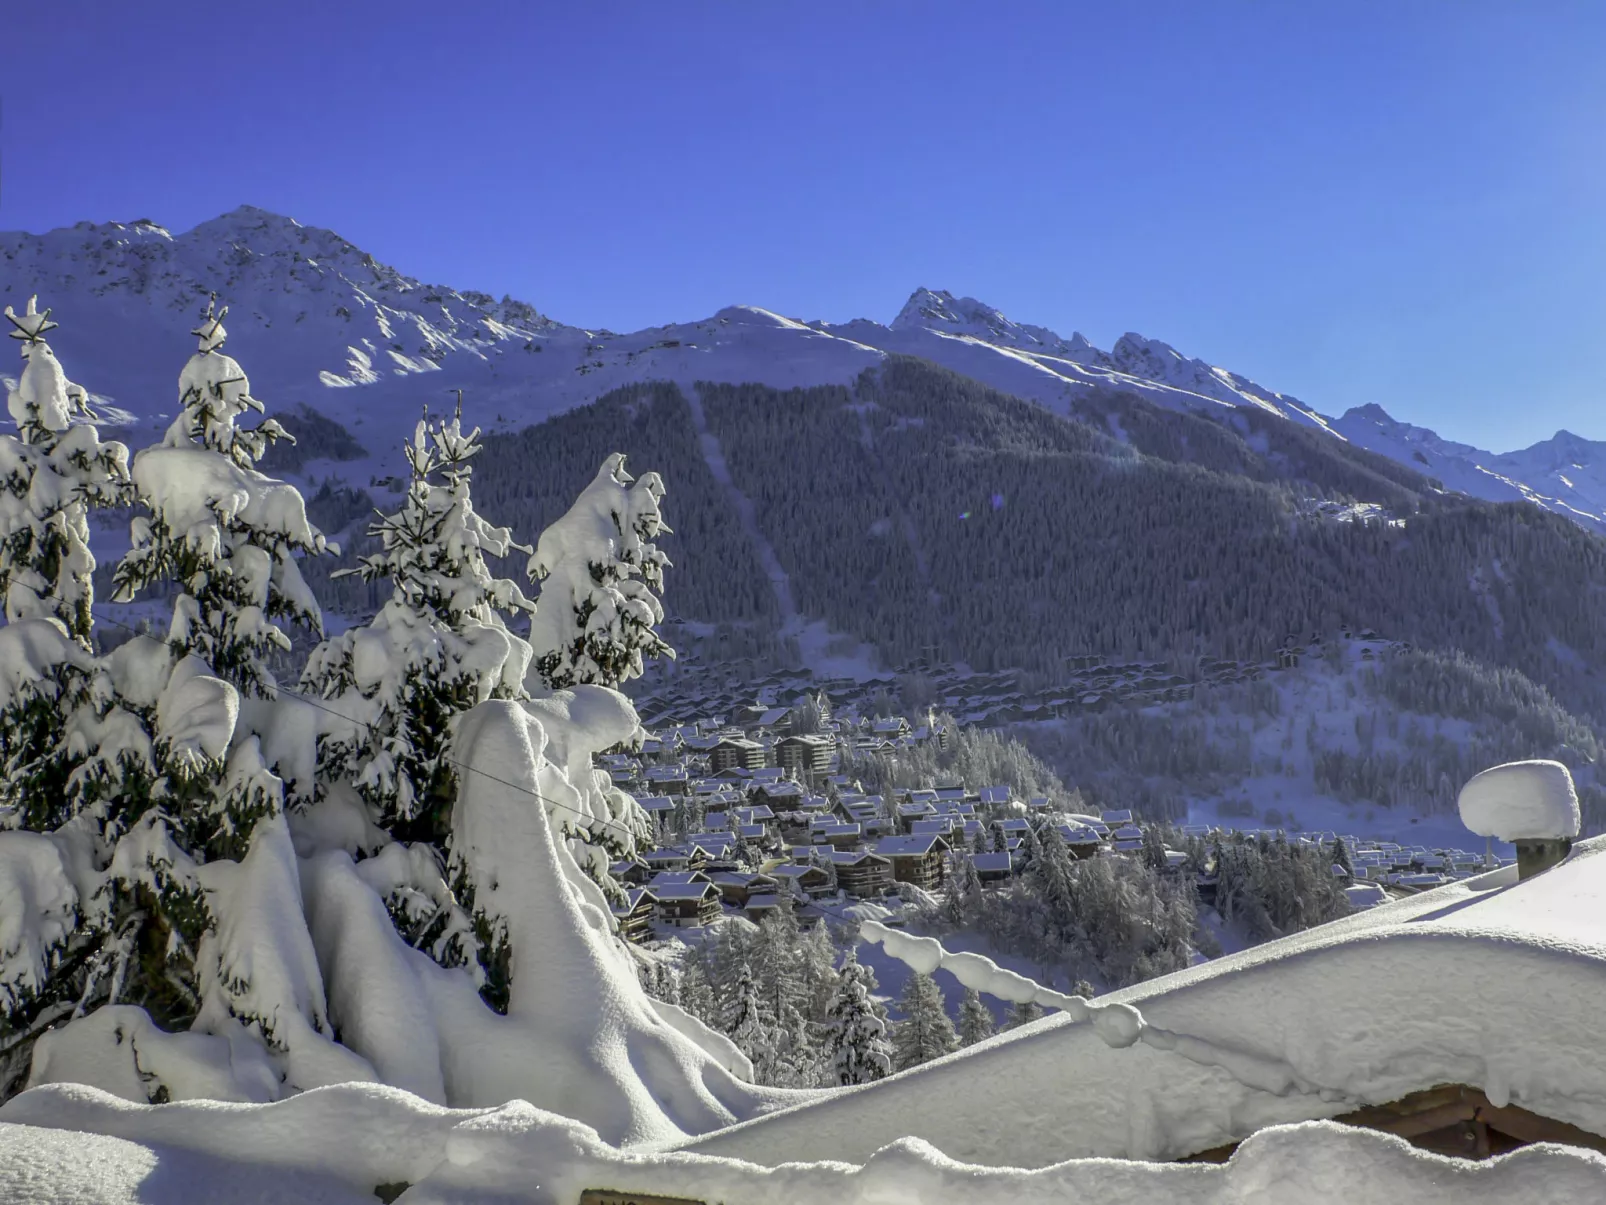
<point>1565,473</point>
<point>320,323</point>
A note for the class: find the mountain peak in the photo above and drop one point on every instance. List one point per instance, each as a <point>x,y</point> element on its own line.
<point>939,310</point>
<point>926,306</point>
<point>1372,413</point>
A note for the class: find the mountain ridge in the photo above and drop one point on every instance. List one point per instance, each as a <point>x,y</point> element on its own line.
<point>322,324</point>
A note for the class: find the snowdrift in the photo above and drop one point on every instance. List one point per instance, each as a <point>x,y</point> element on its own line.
<point>305,924</point>
<point>336,1145</point>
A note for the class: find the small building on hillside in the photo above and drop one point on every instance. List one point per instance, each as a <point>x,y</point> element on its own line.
<point>736,887</point>
<point>837,835</point>
<point>915,810</point>
<point>667,780</point>
<point>675,857</point>
<point>920,860</point>
<point>1082,840</point>
<point>686,905</point>
<point>632,872</point>
<point>890,727</point>
<point>782,793</point>
<point>758,907</point>
<point>810,879</point>
<point>993,867</point>
<point>659,807</point>
<point>808,756</point>
<point>634,916</point>
<point>736,753</point>
<point>862,874</point>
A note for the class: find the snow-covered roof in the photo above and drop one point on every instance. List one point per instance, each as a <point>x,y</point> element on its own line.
<point>793,871</point>
<point>1435,988</point>
<point>835,830</point>
<point>852,857</point>
<point>676,878</point>
<point>915,844</point>
<point>681,891</point>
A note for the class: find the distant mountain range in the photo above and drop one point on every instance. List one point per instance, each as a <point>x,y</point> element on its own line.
<point>321,324</point>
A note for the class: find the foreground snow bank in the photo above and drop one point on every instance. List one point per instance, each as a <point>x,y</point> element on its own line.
<point>579,1035</point>
<point>1436,989</point>
<point>337,1144</point>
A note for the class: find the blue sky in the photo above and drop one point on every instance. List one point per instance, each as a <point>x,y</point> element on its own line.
<point>1398,202</point>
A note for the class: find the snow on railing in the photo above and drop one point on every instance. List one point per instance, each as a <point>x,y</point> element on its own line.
<point>1118,1025</point>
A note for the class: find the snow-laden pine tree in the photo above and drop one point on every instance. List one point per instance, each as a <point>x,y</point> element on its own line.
<point>176,871</point>
<point>749,1022</point>
<point>51,473</point>
<point>962,892</point>
<point>975,1019</point>
<point>227,536</point>
<point>1053,876</point>
<point>856,1044</point>
<point>925,1033</point>
<point>202,817</point>
<point>601,575</point>
<point>437,647</point>
<point>398,685</point>
<point>1338,855</point>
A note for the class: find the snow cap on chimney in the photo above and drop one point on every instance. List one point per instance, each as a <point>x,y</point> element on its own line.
<point>1532,804</point>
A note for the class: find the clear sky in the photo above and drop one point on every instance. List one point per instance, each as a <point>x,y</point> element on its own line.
<point>1401,202</point>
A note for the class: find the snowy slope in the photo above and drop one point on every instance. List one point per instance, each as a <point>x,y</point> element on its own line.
<point>319,322</point>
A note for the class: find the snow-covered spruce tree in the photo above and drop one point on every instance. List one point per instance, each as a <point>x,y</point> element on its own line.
<point>1053,876</point>
<point>975,1019</point>
<point>1339,856</point>
<point>226,539</point>
<point>748,1022</point>
<point>439,646</point>
<point>962,892</point>
<point>925,1033</point>
<point>856,1028</point>
<point>51,472</point>
<point>600,576</point>
<point>224,534</point>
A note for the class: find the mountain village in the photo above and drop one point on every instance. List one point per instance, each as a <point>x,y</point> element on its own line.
<point>752,814</point>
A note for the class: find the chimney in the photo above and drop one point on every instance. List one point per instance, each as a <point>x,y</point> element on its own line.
<point>1531,804</point>
<point>1540,853</point>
